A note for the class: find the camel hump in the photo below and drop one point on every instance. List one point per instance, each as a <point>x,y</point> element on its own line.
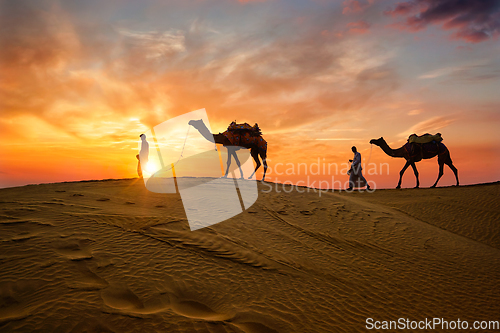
<point>238,128</point>
<point>426,138</point>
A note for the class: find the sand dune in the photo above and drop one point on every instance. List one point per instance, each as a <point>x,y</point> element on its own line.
<point>109,256</point>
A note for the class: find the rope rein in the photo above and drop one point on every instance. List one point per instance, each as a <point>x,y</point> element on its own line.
<point>182,151</point>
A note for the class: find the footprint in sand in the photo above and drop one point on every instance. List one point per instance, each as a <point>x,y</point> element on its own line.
<point>12,296</point>
<point>194,309</point>
<point>11,309</point>
<point>87,279</point>
<point>184,303</point>
<point>252,322</point>
<point>121,298</point>
<point>75,249</point>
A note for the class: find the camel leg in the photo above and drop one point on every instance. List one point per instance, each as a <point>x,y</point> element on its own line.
<point>237,162</point>
<point>255,154</point>
<point>230,152</point>
<point>449,163</point>
<point>441,167</point>
<point>263,156</point>
<point>415,171</point>
<point>402,172</point>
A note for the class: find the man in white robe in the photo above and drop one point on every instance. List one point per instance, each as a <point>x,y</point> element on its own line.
<point>356,178</point>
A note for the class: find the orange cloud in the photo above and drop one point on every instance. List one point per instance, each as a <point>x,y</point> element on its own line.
<point>79,90</point>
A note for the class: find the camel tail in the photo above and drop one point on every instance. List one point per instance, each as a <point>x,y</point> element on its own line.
<point>262,144</point>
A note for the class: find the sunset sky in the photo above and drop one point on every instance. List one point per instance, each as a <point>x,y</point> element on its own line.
<point>80,80</point>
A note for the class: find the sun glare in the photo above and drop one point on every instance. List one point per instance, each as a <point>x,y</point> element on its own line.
<point>152,167</point>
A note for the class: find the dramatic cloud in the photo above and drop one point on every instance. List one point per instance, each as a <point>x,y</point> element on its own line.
<point>472,20</point>
<point>89,80</point>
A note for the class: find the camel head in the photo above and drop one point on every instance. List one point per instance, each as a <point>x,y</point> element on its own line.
<point>196,123</point>
<point>377,142</point>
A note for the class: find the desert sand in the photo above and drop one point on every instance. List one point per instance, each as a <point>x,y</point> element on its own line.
<point>109,256</point>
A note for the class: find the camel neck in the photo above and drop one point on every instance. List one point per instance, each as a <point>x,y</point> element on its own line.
<point>202,128</point>
<point>392,152</point>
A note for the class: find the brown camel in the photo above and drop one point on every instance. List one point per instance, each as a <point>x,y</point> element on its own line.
<point>419,152</point>
<point>220,138</point>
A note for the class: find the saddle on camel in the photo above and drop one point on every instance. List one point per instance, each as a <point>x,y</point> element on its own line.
<point>425,146</point>
<point>244,135</point>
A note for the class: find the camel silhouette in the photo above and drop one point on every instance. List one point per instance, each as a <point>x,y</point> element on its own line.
<point>220,138</point>
<point>415,153</point>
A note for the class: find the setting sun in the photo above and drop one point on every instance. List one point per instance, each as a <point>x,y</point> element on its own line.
<point>152,167</point>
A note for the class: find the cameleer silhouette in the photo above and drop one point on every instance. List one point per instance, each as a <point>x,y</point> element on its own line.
<point>143,154</point>
<point>355,174</point>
